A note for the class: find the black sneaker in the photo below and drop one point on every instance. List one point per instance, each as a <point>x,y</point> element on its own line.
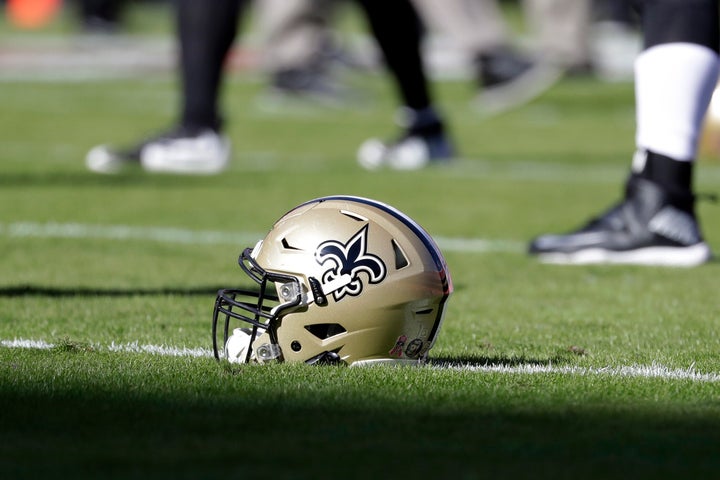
<point>649,227</point>
<point>309,84</point>
<point>508,79</point>
<point>501,66</point>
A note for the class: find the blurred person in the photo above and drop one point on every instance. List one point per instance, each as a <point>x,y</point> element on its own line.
<point>505,75</point>
<point>616,39</point>
<point>297,48</point>
<point>620,12</point>
<point>207,30</point>
<point>295,34</point>
<point>655,222</point>
<point>100,16</point>
<point>560,31</point>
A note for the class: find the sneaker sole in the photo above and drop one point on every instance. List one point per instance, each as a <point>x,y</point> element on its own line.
<point>205,168</point>
<point>651,256</point>
<point>160,160</point>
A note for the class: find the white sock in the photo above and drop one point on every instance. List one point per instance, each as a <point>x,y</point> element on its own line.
<point>673,86</point>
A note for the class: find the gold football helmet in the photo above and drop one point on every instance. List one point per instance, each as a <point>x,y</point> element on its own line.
<point>341,280</point>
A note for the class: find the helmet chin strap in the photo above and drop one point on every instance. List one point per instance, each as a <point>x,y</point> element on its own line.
<point>320,291</point>
<point>325,358</point>
<point>336,284</point>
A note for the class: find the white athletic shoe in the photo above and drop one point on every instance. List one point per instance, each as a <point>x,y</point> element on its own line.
<point>181,151</point>
<point>207,153</point>
<point>410,153</point>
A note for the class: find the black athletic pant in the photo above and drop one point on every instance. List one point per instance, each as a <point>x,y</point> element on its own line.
<point>685,21</point>
<point>207,30</point>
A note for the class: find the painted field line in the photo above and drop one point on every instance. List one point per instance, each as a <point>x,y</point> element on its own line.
<point>633,371</point>
<point>133,347</point>
<point>630,371</point>
<point>124,232</point>
<point>210,237</point>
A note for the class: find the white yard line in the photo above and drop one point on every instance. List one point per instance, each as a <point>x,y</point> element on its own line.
<point>134,347</point>
<point>630,371</point>
<point>124,232</point>
<point>635,371</point>
<point>210,237</point>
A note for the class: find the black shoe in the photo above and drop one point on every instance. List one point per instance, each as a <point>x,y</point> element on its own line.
<point>312,84</point>
<point>508,79</point>
<point>649,227</point>
<point>500,67</point>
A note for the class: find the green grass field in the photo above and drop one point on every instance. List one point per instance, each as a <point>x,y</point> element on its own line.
<point>539,372</point>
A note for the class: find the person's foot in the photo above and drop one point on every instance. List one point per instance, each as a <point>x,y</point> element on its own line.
<point>182,150</point>
<point>422,143</point>
<point>412,152</point>
<point>650,226</point>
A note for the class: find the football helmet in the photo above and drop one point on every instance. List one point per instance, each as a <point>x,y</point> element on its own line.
<point>340,279</point>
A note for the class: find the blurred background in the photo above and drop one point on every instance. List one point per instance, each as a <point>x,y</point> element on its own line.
<point>101,38</point>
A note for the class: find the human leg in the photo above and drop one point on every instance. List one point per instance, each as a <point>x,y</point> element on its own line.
<point>655,223</point>
<point>397,29</point>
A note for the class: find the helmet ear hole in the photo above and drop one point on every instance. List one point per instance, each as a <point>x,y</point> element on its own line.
<point>295,346</point>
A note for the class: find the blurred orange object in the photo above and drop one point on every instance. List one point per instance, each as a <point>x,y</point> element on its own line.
<point>32,13</point>
<point>709,145</point>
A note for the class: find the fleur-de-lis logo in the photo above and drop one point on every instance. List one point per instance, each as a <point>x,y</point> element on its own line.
<point>347,261</point>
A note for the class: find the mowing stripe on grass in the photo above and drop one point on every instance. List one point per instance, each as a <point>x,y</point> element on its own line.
<point>210,237</point>
<point>631,371</point>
